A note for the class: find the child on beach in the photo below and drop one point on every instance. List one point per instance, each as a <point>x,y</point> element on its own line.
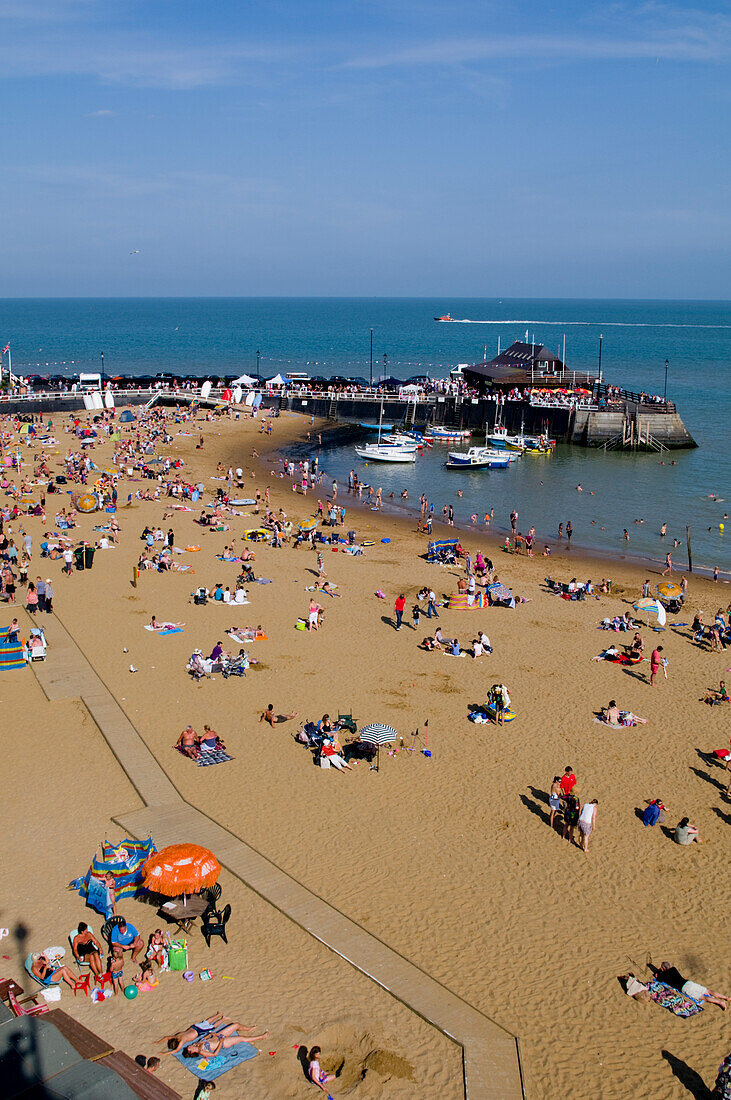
<point>146,980</point>
<point>115,966</point>
<point>157,946</point>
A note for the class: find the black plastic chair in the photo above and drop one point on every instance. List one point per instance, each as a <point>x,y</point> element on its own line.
<point>214,924</point>
<point>108,925</point>
<point>211,894</point>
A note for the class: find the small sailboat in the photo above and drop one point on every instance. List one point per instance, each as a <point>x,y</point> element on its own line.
<point>387,452</point>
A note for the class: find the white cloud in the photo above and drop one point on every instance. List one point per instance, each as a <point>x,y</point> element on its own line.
<point>103,113</point>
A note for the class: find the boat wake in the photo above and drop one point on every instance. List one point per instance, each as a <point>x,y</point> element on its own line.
<point>596,324</point>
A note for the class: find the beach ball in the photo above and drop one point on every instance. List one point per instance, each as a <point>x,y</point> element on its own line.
<point>130,992</point>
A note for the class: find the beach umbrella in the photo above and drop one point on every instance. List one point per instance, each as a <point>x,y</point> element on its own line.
<point>669,589</point>
<point>308,524</point>
<point>181,869</point>
<point>653,607</point>
<point>378,734</point>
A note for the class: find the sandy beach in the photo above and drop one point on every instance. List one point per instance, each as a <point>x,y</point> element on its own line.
<point>449,859</point>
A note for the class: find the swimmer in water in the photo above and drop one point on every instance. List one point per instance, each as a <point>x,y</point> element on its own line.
<point>579,489</point>
<point>626,535</point>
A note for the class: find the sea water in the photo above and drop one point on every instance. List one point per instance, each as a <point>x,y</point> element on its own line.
<point>329,336</point>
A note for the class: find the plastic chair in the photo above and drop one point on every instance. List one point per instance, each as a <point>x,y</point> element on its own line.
<point>108,925</point>
<point>216,927</point>
<point>347,722</point>
<point>211,895</point>
<point>18,1010</point>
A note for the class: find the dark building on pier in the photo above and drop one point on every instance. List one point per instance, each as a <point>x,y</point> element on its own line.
<point>521,364</point>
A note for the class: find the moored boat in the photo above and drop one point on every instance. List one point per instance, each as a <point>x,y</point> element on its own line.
<point>441,434</point>
<point>382,452</point>
<point>477,458</point>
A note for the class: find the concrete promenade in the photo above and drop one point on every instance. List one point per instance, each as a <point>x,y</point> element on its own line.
<point>491,1057</point>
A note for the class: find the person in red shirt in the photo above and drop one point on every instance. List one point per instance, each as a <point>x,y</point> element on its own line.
<point>655,661</point>
<point>398,608</point>
<point>568,782</point>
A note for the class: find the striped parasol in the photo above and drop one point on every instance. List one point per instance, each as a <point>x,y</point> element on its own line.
<point>378,734</point>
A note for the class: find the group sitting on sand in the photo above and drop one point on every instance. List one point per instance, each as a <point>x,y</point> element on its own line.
<point>192,744</point>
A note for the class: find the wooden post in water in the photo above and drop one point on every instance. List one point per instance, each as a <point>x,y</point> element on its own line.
<point>690,556</point>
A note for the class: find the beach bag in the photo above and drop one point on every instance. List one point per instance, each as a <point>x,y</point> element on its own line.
<point>52,993</point>
<point>178,955</point>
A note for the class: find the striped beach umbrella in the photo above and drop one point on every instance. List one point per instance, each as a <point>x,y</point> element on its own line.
<point>653,607</point>
<point>378,734</point>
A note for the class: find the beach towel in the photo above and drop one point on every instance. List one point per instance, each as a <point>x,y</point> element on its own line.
<point>207,757</point>
<point>165,630</point>
<point>677,1003</point>
<point>209,1069</point>
<point>248,636</point>
<point>263,580</point>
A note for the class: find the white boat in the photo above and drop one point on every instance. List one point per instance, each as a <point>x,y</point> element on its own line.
<point>477,458</point>
<point>382,452</point>
<point>399,439</point>
<point>387,452</point>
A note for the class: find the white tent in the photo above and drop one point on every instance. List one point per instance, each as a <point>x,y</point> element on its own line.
<point>277,380</point>
<point>244,380</point>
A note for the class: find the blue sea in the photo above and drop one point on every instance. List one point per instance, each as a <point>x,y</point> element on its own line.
<point>328,336</point>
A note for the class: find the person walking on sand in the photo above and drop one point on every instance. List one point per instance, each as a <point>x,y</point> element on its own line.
<point>567,781</point>
<point>398,608</point>
<point>668,564</point>
<point>587,822</point>
<point>656,660</point>
<point>554,798</point>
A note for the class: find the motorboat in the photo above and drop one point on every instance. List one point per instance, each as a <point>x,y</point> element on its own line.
<point>402,439</point>
<point>376,427</point>
<point>477,458</point>
<point>446,317</point>
<point>441,434</point>
<point>383,452</point>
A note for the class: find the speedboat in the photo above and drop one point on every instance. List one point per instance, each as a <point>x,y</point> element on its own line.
<point>477,458</point>
<point>446,317</point>
<point>382,452</point>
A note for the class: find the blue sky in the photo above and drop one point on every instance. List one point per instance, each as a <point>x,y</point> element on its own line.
<point>364,147</point>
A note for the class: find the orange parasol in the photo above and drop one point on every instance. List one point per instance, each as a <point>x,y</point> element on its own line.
<point>181,869</point>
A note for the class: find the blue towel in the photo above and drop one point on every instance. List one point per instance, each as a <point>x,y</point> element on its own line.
<point>208,1069</point>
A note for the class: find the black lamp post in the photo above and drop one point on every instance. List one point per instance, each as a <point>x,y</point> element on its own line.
<point>371,382</point>
<point>665,394</point>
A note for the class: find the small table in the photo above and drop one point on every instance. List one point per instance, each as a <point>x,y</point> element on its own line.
<point>184,913</point>
<point>9,985</point>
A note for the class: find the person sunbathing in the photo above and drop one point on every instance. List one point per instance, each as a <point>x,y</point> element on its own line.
<point>48,974</point>
<point>187,743</point>
<point>181,1038</point>
<point>165,626</point>
<point>212,1045</point>
<point>636,647</point>
<point>609,654</point>
<point>670,976</point>
<point>613,716</point>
